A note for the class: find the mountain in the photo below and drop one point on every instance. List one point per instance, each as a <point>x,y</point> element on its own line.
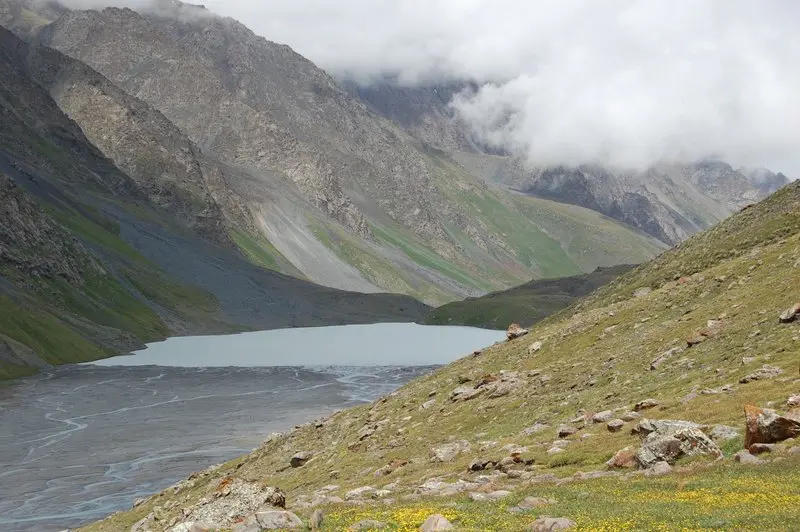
<point>528,303</point>
<point>96,262</point>
<point>320,185</point>
<point>667,201</point>
<point>633,400</point>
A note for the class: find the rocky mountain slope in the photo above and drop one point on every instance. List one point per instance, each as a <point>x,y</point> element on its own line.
<point>645,406</point>
<point>528,303</point>
<point>335,193</point>
<point>94,261</point>
<point>668,201</point>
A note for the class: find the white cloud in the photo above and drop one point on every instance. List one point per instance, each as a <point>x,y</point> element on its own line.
<point>622,81</point>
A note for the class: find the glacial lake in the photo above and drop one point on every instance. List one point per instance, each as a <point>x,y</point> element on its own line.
<point>80,442</point>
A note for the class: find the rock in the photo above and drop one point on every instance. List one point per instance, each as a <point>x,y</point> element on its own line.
<point>368,524</point>
<point>723,433</point>
<point>790,314</point>
<point>668,443</point>
<point>515,331</point>
<point>316,519</point>
<point>615,425</point>
<point>546,524</point>
<point>491,496</point>
<point>437,487</point>
<point>278,520</point>
<point>745,457</point>
<point>645,405</point>
<point>766,372</point>
<point>554,450</point>
<point>566,430</point>
<point>658,469</point>
<point>533,429</point>
<point>534,347</point>
<point>623,459</point>
<point>247,527</point>
<point>427,404</point>
<point>366,432</point>
<point>435,523</point>
<point>501,389</point>
<point>531,503</point>
<point>449,451</point>
<point>480,464</point>
<point>465,393</point>
<point>301,458</point>
<point>602,417</point>
<point>361,493</point>
<point>189,526</point>
<point>664,426</point>
<point>766,426</point>
<point>793,400</point>
<point>663,357</point>
<point>630,416</point>
<point>761,448</point>
<point>642,292</point>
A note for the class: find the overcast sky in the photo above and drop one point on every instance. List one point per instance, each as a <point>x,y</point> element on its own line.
<point>567,81</point>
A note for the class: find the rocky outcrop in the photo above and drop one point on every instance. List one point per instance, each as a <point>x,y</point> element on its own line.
<point>669,440</point>
<point>763,425</point>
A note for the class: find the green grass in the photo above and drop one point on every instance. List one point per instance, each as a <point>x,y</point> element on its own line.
<point>261,252</point>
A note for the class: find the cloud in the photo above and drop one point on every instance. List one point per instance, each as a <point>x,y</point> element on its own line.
<point>627,82</point>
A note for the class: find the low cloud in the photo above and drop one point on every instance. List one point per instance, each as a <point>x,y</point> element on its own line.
<point>626,82</point>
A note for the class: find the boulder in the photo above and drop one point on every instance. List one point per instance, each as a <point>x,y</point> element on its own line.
<point>645,405</point>
<point>479,464</point>
<point>534,347</point>
<point>316,519</point>
<point>615,425</point>
<point>301,458</point>
<point>603,417</point>
<point>465,393</point>
<point>663,357</point>
<point>278,520</point>
<point>189,526</point>
<point>515,331</point>
<point>546,524</point>
<point>766,372</point>
<point>763,425</point>
<point>533,429</point>
<point>566,430</point>
<point>630,416</point>
<point>745,457</point>
<point>668,443</point>
<point>663,426</point>
<point>761,448</point>
<point>623,459</point>
<point>790,314</point>
<point>449,451</point>
<point>723,433</point>
<point>531,503</point>
<point>793,400</point>
<point>435,523</point>
<point>491,496</point>
<point>361,493</point>
<point>658,469</point>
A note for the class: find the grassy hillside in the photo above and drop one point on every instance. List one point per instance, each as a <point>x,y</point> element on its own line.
<point>730,283</point>
<point>528,303</point>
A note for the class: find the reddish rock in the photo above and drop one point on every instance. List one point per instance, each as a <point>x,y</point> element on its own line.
<point>790,314</point>
<point>514,331</point>
<point>763,425</point>
<point>623,459</point>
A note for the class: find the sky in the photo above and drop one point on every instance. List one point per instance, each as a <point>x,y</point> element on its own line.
<point>622,82</point>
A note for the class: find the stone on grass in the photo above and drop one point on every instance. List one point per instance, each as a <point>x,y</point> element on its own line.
<point>645,405</point>
<point>465,393</point>
<point>316,519</point>
<point>765,372</point>
<point>301,458</point>
<point>515,331</point>
<point>436,523</point>
<point>793,400</point>
<point>790,314</point>
<point>723,433</point>
<point>278,520</point>
<point>449,451</point>
<point>623,459</point>
<point>763,425</point>
<point>546,524</point>
<point>669,440</point>
<point>566,430</point>
<point>658,469</point>
<point>533,429</point>
<point>368,524</point>
<point>761,448</point>
<point>745,457</point>
<point>615,425</point>
<point>534,347</point>
<point>530,503</point>
<point>491,496</point>
<point>602,417</point>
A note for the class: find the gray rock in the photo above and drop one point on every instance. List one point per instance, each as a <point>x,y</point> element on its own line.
<point>465,393</point>
<point>766,372</point>
<point>663,357</point>
<point>745,457</point>
<point>673,443</point>
<point>615,425</point>
<point>630,416</point>
<point>790,314</point>
<point>361,493</point>
<point>602,417</point>
<point>515,331</point>
<point>723,433</point>
<point>534,347</point>
<point>435,523</point>
<point>793,400</point>
<point>449,451</point>
<point>658,469</point>
<point>278,520</point>
<point>663,426</point>
<point>491,496</point>
<point>535,428</point>
<point>531,503</point>
<point>301,458</point>
<point>645,405</point>
<point>546,524</point>
<point>566,430</point>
